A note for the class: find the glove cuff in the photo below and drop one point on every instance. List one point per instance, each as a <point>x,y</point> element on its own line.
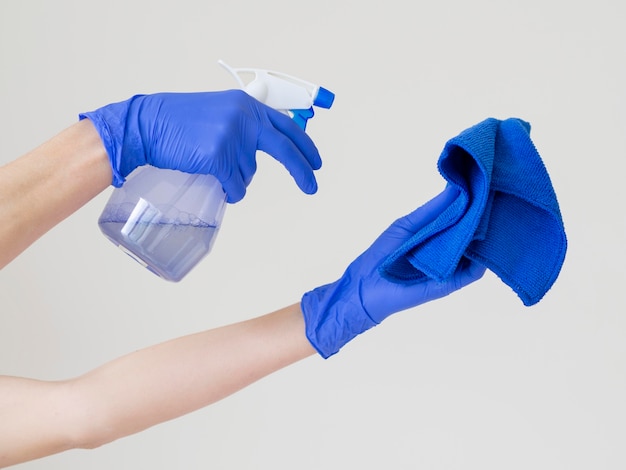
<point>118,129</point>
<point>331,321</point>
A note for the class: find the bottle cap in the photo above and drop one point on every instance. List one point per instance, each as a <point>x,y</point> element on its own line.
<point>324,98</point>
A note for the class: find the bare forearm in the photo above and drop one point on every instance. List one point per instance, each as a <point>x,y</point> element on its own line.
<point>173,378</point>
<point>46,185</point>
<point>145,388</point>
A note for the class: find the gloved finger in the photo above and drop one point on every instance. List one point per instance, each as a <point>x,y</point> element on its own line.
<point>247,162</point>
<point>285,151</point>
<point>467,272</point>
<point>286,126</point>
<point>413,222</point>
<point>397,297</point>
<point>234,187</point>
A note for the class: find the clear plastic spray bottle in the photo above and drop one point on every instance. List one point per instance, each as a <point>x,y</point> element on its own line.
<point>168,220</point>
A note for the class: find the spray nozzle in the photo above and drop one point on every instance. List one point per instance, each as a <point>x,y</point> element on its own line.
<point>290,95</point>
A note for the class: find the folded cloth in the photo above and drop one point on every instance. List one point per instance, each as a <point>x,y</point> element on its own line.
<point>506,215</point>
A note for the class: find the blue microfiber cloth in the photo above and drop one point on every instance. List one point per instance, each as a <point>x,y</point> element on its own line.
<point>506,216</point>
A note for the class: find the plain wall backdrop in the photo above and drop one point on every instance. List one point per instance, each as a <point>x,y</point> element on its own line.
<point>473,381</point>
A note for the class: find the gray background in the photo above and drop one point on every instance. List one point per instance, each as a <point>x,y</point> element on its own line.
<point>474,381</point>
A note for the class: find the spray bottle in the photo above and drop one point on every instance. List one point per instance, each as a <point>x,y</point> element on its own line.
<point>168,220</point>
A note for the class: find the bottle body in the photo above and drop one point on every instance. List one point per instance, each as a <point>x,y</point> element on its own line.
<point>166,220</point>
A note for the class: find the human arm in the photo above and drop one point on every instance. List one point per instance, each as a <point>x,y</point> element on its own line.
<point>46,185</point>
<point>39,418</point>
<point>162,382</point>
<point>209,132</point>
<point>146,387</point>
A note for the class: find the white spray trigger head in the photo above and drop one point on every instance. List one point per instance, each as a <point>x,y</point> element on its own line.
<point>255,88</point>
<point>277,90</point>
<point>233,72</point>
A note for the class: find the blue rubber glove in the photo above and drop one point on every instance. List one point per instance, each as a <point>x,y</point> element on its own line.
<point>214,133</point>
<point>336,313</point>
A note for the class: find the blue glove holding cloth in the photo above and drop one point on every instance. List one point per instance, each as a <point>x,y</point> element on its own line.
<point>498,211</point>
<point>214,133</point>
<point>362,298</point>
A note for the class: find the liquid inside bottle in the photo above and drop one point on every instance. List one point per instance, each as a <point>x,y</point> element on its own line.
<point>166,220</point>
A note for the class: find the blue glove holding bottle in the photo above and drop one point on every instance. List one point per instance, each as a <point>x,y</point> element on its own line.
<point>214,133</point>
<point>336,313</point>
